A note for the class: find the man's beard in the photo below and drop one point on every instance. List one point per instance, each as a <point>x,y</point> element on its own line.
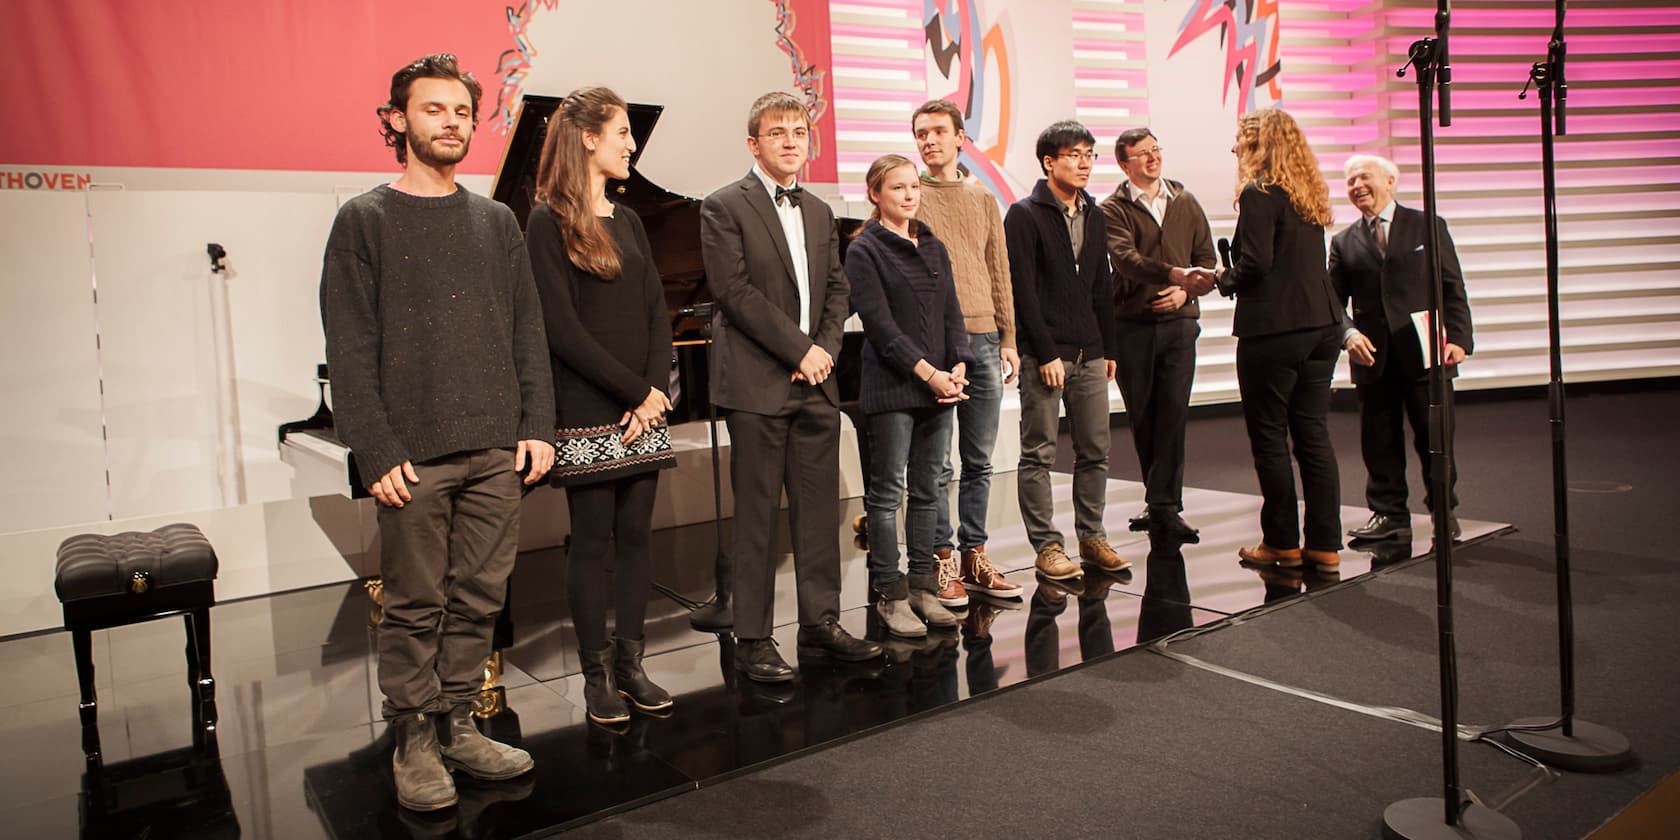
<point>422,151</point>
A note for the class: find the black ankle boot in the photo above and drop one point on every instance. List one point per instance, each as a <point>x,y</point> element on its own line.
<point>600,692</point>
<point>633,682</point>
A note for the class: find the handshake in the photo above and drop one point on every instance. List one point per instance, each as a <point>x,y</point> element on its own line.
<point>1199,281</point>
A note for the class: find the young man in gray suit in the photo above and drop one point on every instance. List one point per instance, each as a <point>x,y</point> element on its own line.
<point>772,257</point>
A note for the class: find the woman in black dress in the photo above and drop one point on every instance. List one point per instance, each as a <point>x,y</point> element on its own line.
<point>610,340</point>
<point>1289,326</point>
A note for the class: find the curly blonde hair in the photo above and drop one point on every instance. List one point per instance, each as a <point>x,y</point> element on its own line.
<point>1271,150</point>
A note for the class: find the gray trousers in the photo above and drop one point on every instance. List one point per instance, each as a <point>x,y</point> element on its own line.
<point>445,561</point>
<point>1086,397</point>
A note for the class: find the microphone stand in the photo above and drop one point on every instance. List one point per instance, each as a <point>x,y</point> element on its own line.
<point>714,615</point>
<point>1453,815</point>
<point>1563,742</point>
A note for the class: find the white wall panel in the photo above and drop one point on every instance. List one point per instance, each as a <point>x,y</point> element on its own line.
<point>52,461</point>
<point>175,426</point>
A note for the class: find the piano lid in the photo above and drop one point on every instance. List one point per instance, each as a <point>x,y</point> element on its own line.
<point>516,177</point>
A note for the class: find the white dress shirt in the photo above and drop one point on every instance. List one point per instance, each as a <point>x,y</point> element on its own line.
<point>1156,206</point>
<point>793,227</point>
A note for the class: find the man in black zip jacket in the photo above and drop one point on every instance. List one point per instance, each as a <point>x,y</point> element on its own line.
<point>1064,310</point>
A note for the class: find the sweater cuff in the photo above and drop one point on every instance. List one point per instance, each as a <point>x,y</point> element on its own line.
<point>537,428</point>
<point>373,464</point>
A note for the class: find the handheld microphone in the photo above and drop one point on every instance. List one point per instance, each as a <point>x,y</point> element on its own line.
<point>1224,282</point>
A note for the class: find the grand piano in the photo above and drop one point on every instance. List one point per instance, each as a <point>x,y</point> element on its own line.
<point>673,226</point>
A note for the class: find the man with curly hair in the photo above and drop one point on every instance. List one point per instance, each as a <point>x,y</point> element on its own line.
<point>441,390</point>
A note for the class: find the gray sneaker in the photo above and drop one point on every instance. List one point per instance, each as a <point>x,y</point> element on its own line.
<point>899,619</point>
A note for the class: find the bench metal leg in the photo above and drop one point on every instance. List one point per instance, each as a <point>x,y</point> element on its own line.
<point>82,641</point>
<point>200,680</point>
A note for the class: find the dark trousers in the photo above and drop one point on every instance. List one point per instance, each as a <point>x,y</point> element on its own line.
<point>1284,380</point>
<point>610,519</point>
<point>1156,367</point>
<point>798,446</point>
<point>445,558</point>
<point>1401,394</point>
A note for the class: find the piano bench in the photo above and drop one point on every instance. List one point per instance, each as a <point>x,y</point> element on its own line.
<point>109,581</point>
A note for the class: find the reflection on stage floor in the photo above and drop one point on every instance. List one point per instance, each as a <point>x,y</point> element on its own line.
<point>304,754</point>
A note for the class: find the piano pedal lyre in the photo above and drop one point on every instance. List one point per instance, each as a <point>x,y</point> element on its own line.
<point>492,697</point>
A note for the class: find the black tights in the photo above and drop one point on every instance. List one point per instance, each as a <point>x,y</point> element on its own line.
<point>610,512</point>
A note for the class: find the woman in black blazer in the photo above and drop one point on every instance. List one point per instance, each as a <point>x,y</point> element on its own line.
<point>1289,327</point>
<point>915,355</point>
<point>610,340</point>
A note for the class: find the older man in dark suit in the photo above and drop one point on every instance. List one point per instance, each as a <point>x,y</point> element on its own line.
<point>772,257</point>
<point>1381,264</point>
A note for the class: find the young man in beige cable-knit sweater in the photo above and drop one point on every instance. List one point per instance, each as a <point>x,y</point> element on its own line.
<point>965,216</point>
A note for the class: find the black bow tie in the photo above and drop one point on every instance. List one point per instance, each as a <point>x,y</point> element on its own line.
<point>793,196</point>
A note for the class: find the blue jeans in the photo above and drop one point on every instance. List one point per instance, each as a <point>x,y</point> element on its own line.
<point>977,428</point>
<point>904,445</point>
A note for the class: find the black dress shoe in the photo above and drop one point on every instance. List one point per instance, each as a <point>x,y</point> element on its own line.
<point>759,661</point>
<point>1382,526</point>
<point>1173,525</point>
<point>1140,522</point>
<point>714,616</point>
<point>1453,527</point>
<point>829,639</point>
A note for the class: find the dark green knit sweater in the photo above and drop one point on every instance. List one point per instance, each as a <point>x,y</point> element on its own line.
<point>434,331</point>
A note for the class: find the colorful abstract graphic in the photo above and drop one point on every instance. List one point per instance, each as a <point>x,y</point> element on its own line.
<point>513,65</point>
<point>806,75</point>
<point>960,53</point>
<point>1247,29</point>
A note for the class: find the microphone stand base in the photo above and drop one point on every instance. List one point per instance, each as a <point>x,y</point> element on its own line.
<point>1424,819</point>
<point>1591,749</point>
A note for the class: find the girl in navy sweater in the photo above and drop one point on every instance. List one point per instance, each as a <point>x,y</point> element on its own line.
<point>915,354</point>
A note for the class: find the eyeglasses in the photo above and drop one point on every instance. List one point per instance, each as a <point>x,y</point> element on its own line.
<point>777,135</point>
<point>1080,156</point>
<point>1147,154</point>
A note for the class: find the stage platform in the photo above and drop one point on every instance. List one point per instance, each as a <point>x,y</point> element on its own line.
<point>303,754</point>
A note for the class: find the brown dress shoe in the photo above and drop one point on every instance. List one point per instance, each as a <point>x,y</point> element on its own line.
<point>979,575</point>
<point>1265,555</point>
<point>950,591</point>
<point>1099,553</point>
<point>1054,564</point>
<point>1325,561</point>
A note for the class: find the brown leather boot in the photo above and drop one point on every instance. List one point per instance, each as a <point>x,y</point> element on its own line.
<point>1265,555</point>
<point>477,756</point>
<point>1325,561</point>
<point>979,575</point>
<point>1099,553</point>
<point>423,784</point>
<point>950,590</point>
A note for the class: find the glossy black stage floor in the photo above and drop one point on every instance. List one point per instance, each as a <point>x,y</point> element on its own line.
<point>303,754</point>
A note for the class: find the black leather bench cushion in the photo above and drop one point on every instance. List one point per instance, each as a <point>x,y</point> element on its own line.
<point>96,565</point>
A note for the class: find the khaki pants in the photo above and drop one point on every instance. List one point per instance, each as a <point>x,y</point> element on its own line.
<point>445,563</point>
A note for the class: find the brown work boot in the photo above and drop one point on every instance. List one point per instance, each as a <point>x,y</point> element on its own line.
<point>979,575</point>
<point>1324,561</point>
<point>1265,555</point>
<point>950,591</point>
<point>423,784</point>
<point>1099,553</point>
<point>1054,564</point>
<point>479,757</point>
